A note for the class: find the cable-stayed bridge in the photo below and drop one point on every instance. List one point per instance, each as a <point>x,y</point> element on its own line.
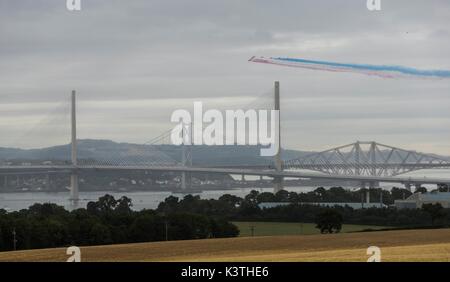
<point>368,163</point>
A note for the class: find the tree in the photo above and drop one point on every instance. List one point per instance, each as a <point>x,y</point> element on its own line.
<point>435,211</point>
<point>221,229</point>
<point>266,197</point>
<point>336,194</point>
<point>107,203</point>
<point>147,228</point>
<point>320,193</point>
<point>100,235</point>
<point>420,190</point>
<point>248,210</point>
<point>124,205</point>
<point>1,239</point>
<point>232,200</point>
<point>170,204</point>
<point>184,226</point>
<point>444,188</point>
<point>329,221</point>
<point>282,196</point>
<point>399,193</point>
<point>252,197</point>
<point>293,197</point>
<point>46,210</point>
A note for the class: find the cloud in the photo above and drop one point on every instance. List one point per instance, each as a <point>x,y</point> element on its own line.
<point>133,62</point>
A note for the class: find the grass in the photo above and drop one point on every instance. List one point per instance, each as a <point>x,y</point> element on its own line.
<point>291,228</point>
<point>398,245</point>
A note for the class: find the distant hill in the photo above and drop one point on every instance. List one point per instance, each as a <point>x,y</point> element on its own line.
<point>133,153</point>
<point>109,150</point>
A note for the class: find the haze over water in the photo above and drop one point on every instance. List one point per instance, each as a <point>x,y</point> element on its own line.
<point>151,199</point>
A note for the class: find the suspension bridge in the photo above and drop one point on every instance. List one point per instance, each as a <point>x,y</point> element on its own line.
<point>368,163</point>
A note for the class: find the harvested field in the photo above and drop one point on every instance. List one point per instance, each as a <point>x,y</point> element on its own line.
<point>405,245</point>
<point>291,228</point>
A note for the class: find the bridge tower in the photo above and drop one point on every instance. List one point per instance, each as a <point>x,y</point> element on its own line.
<point>278,181</point>
<point>74,197</point>
<point>186,157</point>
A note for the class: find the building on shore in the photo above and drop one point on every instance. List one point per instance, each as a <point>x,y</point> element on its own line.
<point>268,205</point>
<point>416,200</point>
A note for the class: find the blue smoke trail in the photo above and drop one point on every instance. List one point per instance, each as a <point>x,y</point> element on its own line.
<point>379,70</point>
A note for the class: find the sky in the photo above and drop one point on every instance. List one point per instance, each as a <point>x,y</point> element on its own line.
<point>133,63</point>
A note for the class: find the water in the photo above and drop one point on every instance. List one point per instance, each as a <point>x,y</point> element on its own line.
<point>151,199</point>
<point>141,199</point>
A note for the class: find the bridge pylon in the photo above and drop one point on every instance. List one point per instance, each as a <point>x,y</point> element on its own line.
<point>186,157</point>
<point>74,194</point>
<point>278,181</point>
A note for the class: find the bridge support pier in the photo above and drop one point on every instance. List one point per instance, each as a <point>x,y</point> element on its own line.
<point>381,196</point>
<point>74,194</point>
<point>47,181</point>
<point>418,186</point>
<point>368,196</point>
<point>408,186</point>
<point>372,185</point>
<point>277,184</point>
<point>366,193</point>
<point>185,180</point>
<point>447,185</point>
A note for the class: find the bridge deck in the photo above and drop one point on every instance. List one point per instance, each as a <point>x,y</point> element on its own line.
<point>239,171</point>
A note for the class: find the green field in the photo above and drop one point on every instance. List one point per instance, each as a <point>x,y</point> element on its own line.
<point>290,228</point>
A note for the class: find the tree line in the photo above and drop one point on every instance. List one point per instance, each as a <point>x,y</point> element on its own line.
<point>106,221</point>
<point>235,208</point>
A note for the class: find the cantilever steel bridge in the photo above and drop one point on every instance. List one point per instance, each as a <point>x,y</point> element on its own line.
<point>367,159</point>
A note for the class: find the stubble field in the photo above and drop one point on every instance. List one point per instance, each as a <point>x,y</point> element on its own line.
<point>405,245</point>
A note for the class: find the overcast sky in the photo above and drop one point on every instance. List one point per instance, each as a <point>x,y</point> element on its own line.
<point>134,62</point>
